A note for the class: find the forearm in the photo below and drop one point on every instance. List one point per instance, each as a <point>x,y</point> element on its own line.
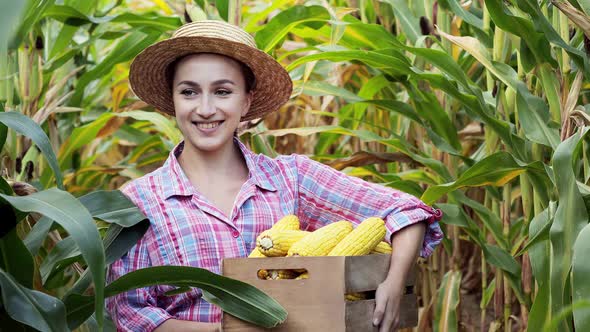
<point>406,244</point>
<point>186,326</point>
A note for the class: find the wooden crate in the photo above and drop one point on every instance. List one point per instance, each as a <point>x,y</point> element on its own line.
<point>318,303</point>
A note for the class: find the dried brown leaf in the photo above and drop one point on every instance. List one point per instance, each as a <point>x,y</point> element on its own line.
<point>364,158</point>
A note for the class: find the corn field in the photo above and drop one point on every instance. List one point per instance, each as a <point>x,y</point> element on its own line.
<point>480,108</point>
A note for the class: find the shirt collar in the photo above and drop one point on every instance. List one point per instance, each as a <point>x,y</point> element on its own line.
<point>176,183</point>
<point>258,167</point>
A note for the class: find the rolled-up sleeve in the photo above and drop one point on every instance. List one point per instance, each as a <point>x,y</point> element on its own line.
<point>327,195</point>
<point>135,310</point>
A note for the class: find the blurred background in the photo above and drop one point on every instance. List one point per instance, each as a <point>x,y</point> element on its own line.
<point>481,108</point>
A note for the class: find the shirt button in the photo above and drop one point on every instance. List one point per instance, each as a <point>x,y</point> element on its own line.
<point>235,233</point>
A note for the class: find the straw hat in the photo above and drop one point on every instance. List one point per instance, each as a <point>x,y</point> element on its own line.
<point>148,73</point>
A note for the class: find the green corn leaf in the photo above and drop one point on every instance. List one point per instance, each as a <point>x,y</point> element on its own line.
<point>80,137</point>
<point>113,207</point>
<point>410,23</point>
<point>368,91</point>
<point>34,239</point>
<point>428,107</point>
<point>580,273</point>
<point>368,36</point>
<point>488,293</point>
<point>73,17</point>
<point>33,11</point>
<point>541,260</point>
<point>117,241</point>
<point>502,259</point>
<point>455,7</point>
<point>316,88</point>
<point>495,170</point>
<point>27,127</point>
<point>570,218</point>
<point>16,259</point>
<point>31,307</point>
<point>389,61</point>
<point>128,224</point>
<point>584,5</point>
<point>3,129</point>
<point>279,26</point>
<point>79,308</point>
<point>61,256</point>
<point>394,106</point>
<point>541,234</point>
<point>467,93</point>
<point>544,27</point>
<point>162,124</point>
<point>453,215</point>
<point>565,314</point>
<point>235,297</point>
<point>10,15</point>
<point>125,50</point>
<point>532,110</point>
<point>445,313</point>
<point>67,211</point>
<point>522,27</point>
<point>149,20</point>
<point>223,8</point>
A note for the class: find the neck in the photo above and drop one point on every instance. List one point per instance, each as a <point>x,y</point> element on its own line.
<point>208,166</point>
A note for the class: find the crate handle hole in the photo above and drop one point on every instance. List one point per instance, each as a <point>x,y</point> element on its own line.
<point>358,296</point>
<point>282,274</point>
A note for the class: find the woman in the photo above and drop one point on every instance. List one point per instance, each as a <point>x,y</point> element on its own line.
<point>213,196</point>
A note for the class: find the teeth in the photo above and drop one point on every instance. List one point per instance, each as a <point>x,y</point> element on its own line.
<point>209,125</point>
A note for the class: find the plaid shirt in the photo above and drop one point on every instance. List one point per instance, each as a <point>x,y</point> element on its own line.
<point>186,229</point>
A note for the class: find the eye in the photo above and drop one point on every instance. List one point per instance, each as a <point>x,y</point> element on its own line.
<point>188,92</point>
<point>222,92</point>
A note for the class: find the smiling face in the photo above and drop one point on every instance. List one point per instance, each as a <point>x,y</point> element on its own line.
<point>210,96</point>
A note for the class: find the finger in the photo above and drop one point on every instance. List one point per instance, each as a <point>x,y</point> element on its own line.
<point>387,322</point>
<point>380,305</point>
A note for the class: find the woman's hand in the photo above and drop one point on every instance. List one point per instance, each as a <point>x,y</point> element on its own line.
<point>387,300</point>
<point>406,244</point>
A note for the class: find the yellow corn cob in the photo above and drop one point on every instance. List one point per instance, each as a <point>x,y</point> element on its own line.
<point>382,248</point>
<point>303,275</point>
<point>322,240</point>
<point>287,222</point>
<point>354,296</point>
<point>273,243</point>
<point>256,254</point>
<point>281,274</point>
<point>362,239</point>
<point>262,274</point>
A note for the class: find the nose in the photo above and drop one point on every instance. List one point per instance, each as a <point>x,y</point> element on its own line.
<point>205,107</point>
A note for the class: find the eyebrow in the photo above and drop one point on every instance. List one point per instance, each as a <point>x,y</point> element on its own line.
<point>218,82</point>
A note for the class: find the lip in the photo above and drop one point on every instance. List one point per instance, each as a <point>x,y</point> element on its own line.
<point>207,130</point>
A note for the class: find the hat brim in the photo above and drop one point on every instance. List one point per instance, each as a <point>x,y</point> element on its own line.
<point>148,78</point>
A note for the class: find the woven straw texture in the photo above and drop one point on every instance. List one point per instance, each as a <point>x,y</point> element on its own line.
<point>147,74</point>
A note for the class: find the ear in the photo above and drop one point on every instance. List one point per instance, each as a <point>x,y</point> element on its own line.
<point>249,98</point>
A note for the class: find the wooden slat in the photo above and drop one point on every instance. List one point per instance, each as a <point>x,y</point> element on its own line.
<point>359,314</point>
<point>365,273</point>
